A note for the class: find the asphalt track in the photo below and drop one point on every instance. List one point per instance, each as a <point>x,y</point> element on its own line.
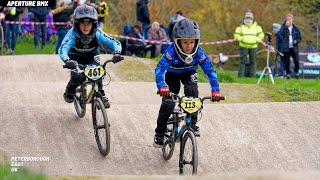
<point>236,138</point>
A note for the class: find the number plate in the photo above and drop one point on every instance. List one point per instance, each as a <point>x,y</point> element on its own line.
<point>94,72</point>
<point>190,104</point>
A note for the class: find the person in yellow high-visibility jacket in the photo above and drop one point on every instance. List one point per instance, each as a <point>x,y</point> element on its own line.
<point>103,12</point>
<point>249,34</point>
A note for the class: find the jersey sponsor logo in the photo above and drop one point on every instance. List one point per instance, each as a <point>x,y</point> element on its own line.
<point>194,77</point>
<point>168,56</point>
<point>203,57</point>
<point>84,50</point>
<point>97,58</point>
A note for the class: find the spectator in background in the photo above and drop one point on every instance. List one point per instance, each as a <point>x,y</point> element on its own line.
<point>281,68</point>
<point>133,46</point>
<point>156,33</point>
<point>39,14</point>
<point>92,3</point>
<point>142,13</point>
<point>12,14</point>
<point>63,14</point>
<point>289,39</point>
<point>249,34</point>
<point>102,13</point>
<point>3,24</point>
<point>173,20</point>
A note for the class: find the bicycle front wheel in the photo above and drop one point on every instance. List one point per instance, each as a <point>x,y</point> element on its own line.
<point>169,144</point>
<point>101,126</point>
<point>80,102</point>
<point>188,161</point>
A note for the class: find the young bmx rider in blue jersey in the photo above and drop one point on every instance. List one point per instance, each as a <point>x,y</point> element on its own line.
<point>179,64</point>
<point>81,45</point>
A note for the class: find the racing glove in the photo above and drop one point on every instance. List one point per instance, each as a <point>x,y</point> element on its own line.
<point>164,92</point>
<point>71,64</point>
<point>216,96</point>
<point>117,58</point>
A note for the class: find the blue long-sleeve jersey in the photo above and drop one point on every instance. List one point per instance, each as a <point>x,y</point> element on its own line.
<point>71,44</point>
<point>171,62</point>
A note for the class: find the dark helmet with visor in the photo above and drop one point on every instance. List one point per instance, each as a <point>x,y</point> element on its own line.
<point>85,13</point>
<point>186,29</point>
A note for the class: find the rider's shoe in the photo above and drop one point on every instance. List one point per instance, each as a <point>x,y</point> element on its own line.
<point>106,102</point>
<point>68,97</point>
<point>196,130</point>
<point>158,141</point>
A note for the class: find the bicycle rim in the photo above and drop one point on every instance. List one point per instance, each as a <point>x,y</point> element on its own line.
<point>80,103</point>
<point>169,145</point>
<point>101,127</point>
<point>188,160</point>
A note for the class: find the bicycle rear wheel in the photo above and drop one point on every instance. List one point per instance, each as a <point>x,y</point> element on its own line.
<point>188,160</point>
<point>1,40</point>
<point>80,101</point>
<point>101,126</point>
<point>169,143</point>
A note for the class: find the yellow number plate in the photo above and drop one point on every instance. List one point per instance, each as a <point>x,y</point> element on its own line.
<point>94,72</point>
<point>190,105</point>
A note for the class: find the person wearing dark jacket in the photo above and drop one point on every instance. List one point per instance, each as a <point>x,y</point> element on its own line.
<point>62,14</point>
<point>142,13</point>
<point>3,23</point>
<point>133,46</point>
<point>173,20</point>
<point>12,14</point>
<point>289,38</point>
<point>39,14</point>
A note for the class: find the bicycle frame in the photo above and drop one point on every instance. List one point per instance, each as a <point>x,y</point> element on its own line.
<point>179,130</point>
<point>94,88</point>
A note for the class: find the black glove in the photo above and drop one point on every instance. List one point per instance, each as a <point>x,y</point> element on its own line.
<point>117,58</point>
<point>71,64</point>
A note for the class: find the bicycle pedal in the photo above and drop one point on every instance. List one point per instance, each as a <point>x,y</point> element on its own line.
<point>197,133</point>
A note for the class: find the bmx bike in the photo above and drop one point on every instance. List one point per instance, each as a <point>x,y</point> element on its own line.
<point>179,130</point>
<point>101,126</point>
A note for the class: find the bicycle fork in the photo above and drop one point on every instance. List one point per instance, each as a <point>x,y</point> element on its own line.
<point>91,92</point>
<point>180,128</point>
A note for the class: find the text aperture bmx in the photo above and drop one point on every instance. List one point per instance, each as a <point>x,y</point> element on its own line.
<point>34,3</point>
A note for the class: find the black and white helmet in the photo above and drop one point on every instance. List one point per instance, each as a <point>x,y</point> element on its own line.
<point>186,29</point>
<point>85,13</point>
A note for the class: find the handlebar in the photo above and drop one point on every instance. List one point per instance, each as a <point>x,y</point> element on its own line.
<point>80,66</point>
<point>176,96</point>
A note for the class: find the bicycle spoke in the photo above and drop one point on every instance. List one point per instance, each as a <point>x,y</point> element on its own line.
<point>100,127</point>
<point>188,157</point>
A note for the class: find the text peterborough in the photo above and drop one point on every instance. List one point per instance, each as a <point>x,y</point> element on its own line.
<point>26,159</point>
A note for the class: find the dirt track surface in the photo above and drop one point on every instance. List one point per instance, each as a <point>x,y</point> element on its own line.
<point>235,138</point>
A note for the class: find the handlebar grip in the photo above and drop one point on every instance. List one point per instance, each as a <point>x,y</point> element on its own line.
<point>158,92</point>
<point>209,97</point>
<point>64,66</point>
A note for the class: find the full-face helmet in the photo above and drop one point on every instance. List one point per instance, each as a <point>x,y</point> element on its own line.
<point>186,29</point>
<point>85,13</point>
